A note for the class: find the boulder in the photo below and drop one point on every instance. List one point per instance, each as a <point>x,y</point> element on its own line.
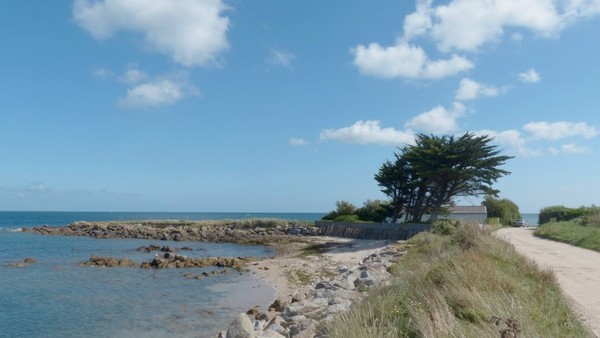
<point>270,334</point>
<point>241,327</point>
<point>277,306</point>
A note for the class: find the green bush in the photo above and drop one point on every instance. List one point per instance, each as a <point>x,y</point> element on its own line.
<point>504,209</point>
<point>493,221</point>
<point>561,213</point>
<point>374,211</point>
<point>445,226</point>
<point>347,218</point>
<point>342,208</point>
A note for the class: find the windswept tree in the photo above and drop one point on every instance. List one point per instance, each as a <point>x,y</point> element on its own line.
<point>428,175</point>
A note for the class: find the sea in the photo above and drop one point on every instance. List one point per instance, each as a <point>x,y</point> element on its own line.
<point>57,297</point>
<point>531,219</point>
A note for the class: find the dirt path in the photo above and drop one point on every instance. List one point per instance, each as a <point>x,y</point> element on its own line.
<point>577,270</point>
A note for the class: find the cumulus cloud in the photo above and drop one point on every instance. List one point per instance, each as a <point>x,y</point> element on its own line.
<point>469,24</point>
<point>159,92</point>
<point>281,58</point>
<point>541,133</point>
<point>513,140</point>
<point>295,141</point>
<point>530,76</point>
<point>559,130</point>
<point>405,60</point>
<point>438,120</point>
<point>133,75</point>
<point>368,132</point>
<point>466,26</point>
<point>569,148</point>
<point>469,90</point>
<point>191,32</point>
<point>103,73</point>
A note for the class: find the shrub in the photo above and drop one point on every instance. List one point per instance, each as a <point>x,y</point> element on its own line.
<point>445,226</point>
<point>493,221</point>
<point>504,209</point>
<point>374,211</point>
<point>347,218</point>
<point>342,208</point>
<point>561,213</point>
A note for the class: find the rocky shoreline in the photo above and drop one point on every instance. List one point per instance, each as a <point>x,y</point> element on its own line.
<point>257,231</point>
<point>312,308</point>
<point>304,312</point>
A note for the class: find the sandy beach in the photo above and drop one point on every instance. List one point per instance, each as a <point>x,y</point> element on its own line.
<point>294,269</point>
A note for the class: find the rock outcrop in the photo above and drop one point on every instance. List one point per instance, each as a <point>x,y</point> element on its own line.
<point>171,260</point>
<point>221,231</point>
<point>317,306</point>
<point>24,263</point>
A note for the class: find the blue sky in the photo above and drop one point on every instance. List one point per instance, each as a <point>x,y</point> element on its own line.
<point>287,106</point>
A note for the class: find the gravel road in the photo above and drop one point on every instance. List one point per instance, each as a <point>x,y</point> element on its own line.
<point>577,270</point>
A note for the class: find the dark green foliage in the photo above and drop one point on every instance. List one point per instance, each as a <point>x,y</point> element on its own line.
<point>347,218</point>
<point>342,208</point>
<point>504,209</point>
<point>561,213</point>
<point>375,211</point>
<point>427,175</point>
<point>445,226</point>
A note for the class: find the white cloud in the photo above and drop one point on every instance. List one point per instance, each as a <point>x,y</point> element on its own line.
<point>559,130</point>
<point>513,140</point>
<point>368,132</point>
<point>569,148</point>
<point>191,32</point>
<point>281,58</point>
<point>405,60</point>
<point>418,22</point>
<point>103,73</point>
<point>469,90</point>
<point>158,92</point>
<point>133,74</point>
<point>467,25</point>
<point>438,120</point>
<point>298,141</point>
<point>530,76</point>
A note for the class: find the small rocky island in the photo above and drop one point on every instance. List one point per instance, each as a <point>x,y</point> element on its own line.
<point>251,231</point>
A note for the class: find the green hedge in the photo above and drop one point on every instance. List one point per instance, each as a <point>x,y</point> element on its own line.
<point>560,213</point>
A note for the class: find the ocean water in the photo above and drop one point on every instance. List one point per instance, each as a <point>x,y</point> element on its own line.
<point>56,297</point>
<point>531,219</point>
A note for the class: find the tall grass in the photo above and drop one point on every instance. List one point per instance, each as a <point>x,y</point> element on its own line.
<point>573,233</point>
<point>467,284</point>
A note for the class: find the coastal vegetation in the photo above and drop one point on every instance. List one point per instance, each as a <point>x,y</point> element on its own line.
<point>559,213</point>
<point>372,211</point>
<point>426,177</point>
<point>465,284</point>
<point>504,209</point>
<point>579,227</point>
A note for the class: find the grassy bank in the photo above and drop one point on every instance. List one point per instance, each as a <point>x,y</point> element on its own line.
<point>572,233</point>
<point>467,284</point>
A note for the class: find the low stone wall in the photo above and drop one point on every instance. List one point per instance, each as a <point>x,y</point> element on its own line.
<point>377,231</point>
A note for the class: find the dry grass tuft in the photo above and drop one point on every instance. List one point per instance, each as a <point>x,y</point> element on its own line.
<point>467,284</point>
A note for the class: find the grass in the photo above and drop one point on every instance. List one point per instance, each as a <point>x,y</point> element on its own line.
<point>466,284</point>
<point>572,233</point>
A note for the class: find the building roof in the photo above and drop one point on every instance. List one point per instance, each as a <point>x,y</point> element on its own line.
<point>474,209</point>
